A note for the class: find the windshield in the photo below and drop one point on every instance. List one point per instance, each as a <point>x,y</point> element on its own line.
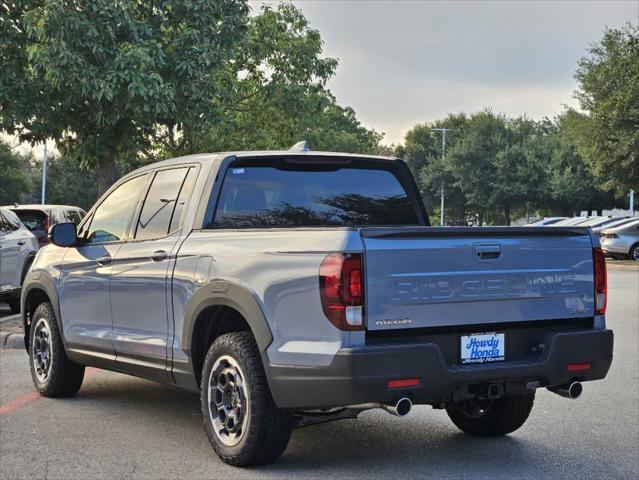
<point>34,220</point>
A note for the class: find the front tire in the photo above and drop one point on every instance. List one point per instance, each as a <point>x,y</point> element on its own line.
<point>634,252</point>
<point>243,424</point>
<point>53,374</point>
<point>491,418</point>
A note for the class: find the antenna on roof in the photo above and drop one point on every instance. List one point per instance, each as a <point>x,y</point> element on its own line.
<point>300,147</point>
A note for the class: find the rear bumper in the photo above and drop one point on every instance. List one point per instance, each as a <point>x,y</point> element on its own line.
<point>361,375</point>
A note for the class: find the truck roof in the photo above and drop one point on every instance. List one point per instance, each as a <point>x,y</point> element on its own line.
<point>39,206</point>
<point>254,154</point>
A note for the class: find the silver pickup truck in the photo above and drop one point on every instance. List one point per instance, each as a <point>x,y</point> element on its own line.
<point>295,287</point>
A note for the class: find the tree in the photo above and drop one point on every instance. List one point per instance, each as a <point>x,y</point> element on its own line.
<point>14,179</point>
<point>608,138</point>
<point>281,96</point>
<point>571,185</point>
<point>67,183</point>
<point>472,160</point>
<point>105,78</point>
<point>422,150</point>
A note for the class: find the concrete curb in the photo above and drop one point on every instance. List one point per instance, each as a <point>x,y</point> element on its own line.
<point>11,340</point>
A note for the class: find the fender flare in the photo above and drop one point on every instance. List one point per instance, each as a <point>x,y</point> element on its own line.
<point>39,280</point>
<point>226,293</point>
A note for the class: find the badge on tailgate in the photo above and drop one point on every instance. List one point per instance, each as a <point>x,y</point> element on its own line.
<point>483,347</point>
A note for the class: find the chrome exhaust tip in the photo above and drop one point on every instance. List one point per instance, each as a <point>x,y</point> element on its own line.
<point>401,408</point>
<point>571,390</point>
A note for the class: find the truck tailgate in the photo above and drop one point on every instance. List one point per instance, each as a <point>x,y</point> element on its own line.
<point>431,276</point>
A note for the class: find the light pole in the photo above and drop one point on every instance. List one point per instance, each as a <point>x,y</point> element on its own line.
<point>44,173</point>
<point>443,130</point>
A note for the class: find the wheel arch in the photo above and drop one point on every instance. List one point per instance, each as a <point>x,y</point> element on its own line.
<point>220,307</point>
<point>38,287</point>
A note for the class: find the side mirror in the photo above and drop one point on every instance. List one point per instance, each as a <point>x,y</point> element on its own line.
<point>63,234</point>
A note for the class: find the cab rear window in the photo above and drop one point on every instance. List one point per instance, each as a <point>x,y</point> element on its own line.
<point>277,196</point>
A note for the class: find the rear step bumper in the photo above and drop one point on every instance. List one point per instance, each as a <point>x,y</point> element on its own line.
<point>361,375</point>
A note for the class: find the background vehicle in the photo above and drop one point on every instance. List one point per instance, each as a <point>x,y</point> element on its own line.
<point>292,288</point>
<point>617,223</point>
<point>545,221</point>
<point>38,218</point>
<point>622,241</point>
<point>569,221</point>
<point>594,222</point>
<point>18,247</point>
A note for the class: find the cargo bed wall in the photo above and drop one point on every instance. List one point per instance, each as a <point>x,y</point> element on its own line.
<point>428,276</point>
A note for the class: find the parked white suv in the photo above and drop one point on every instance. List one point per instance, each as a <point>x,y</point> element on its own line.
<point>18,247</point>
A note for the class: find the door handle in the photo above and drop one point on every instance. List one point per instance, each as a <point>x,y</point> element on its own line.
<point>21,242</point>
<point>159,255</point>
<point>104,260</point>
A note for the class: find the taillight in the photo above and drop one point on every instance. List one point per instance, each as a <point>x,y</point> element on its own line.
<point>341,282</point>
<point>601,281</point>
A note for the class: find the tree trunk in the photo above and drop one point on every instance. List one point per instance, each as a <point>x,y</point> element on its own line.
<point>481,218</point>
<point>106,172</point>
<point>507,215</point>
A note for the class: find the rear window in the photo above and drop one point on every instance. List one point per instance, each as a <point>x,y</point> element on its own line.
<point>286,196</point>
<point>34,220</point>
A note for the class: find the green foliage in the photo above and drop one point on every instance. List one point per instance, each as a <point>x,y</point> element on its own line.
<point>608,135</point>
<point>14,179</point>
<point>496,166</point>
<point>118,83</point>
<point>281,95</point>
<point>102,76</point>
<point>67,182</point>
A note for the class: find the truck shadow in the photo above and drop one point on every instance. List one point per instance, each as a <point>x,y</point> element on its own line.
<point>425,443</point>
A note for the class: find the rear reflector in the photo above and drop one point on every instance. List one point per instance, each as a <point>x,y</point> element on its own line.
<point>403,383</point>
<point>601,281</point>
<point>579,367</point>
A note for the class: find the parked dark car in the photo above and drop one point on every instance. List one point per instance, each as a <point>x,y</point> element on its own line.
<point>39,218</point>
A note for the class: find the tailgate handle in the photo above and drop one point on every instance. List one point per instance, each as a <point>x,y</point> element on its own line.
<point>487,252</point>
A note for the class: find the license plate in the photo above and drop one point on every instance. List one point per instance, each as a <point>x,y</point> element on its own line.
<point>483,347</point>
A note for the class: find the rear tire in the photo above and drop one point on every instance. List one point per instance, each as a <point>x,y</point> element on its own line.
<point>243,424</point>
<point>634,252</point>
<point>491,418</point>
<point>53,374</point>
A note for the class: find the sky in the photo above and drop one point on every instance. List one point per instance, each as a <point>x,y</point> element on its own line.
<point>404,62</point>
<point>408,62</point>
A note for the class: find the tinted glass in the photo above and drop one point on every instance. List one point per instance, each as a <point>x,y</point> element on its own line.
<point>185,192</point>
<point>159,204</point>
<point>274,197</point>
<point>13,220</point>
<point>34,220</point>
<point>111,218</point>
<point>5,226</point>
<point>73,216</point>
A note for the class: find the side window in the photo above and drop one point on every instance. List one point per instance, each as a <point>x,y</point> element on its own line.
<point>159,204</point>
<point>5,226</point>
<point>73,216</point>
<point>14,221</point>
<point>185,192</point>
<point>111,219</point>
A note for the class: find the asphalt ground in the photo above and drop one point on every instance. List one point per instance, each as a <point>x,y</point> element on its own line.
<point>120,427</point>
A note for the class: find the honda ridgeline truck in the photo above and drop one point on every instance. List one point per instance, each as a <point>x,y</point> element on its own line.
<point>295,287</point>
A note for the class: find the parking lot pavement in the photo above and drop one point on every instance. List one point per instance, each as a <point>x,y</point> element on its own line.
<point>123,427</point>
